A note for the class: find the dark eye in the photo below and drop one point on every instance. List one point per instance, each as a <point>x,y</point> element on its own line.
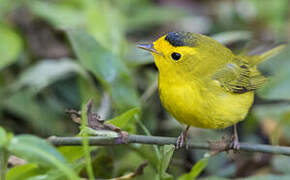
<point>176,56</point>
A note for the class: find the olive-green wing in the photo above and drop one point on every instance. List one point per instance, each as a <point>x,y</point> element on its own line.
<point>239,77</point>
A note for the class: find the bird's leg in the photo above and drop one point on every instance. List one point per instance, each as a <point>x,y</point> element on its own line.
<point>181,140</point>
<point>235,145</point>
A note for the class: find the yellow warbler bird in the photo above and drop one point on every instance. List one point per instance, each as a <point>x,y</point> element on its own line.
<point>203,84</point>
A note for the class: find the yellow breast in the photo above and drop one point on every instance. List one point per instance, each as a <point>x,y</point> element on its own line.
<point>196,104</point>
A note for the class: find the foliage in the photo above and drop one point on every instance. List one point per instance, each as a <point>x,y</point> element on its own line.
<point>56,55</point>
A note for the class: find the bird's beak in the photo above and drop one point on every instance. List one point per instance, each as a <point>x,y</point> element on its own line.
<point>147,47</point>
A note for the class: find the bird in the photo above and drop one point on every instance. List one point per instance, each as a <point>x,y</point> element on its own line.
<point>202,83</point>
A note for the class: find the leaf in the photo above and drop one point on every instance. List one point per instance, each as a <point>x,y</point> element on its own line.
<point>275,120</point>
<point>103,164</point>
<point>57,174</point>
<point>10,46</point>
<point>107,67</point>
<point>278,86</point>
<point>39,177</point>
<point>106,24</point>
<point>195,170</point>
<point>45,73</point>
<point>34,149</point>
<point>71,153</point>
<point>42,119</point>
<point>87,131</point>
<point>147,153</point>
<point>22,144</point>
<point>155,160</point>
<point>59,15</point>
<point>23,171</point>
<point>88,90</point>
<point>153,15</point>
<point>126,161</point>
<point>126,121</point>
<point>166,154</point>
<point>232,37</point>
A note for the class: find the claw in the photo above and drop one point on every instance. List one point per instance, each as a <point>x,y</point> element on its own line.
<point>235,145</point>
<point>181,140</point>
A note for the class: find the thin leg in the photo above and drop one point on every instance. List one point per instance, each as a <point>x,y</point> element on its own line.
<point>235,145</point>
<point>181,140</point>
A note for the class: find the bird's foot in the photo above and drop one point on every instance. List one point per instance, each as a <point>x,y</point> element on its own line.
<point>234,144</point>
<point>181,140</point>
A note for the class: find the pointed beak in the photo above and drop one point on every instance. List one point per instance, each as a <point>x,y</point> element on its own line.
<point>147,47</point>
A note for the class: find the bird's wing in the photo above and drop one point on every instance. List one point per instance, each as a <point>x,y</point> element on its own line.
<point>239,77</point>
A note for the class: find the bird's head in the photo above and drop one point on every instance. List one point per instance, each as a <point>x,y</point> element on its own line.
<point>186,53</point>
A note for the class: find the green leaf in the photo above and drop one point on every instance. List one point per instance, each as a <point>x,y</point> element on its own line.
<point>196,170</point>
<point>39,177</point>
<point>166,154</point>
<point>57,174</point>
<point>103,164</point>
<point>107,67</point>
<point>127,160</point>
<point>46,72</point>
<point>42,119</point>
<point>280,114</point>
<point>23,171</point>
<point>87,131</point>
<point>105,24</point>
<point>232,36</point>
<point>59,15</point>
<point>88,90</point>
<point>127,120</point>
<point>153,15</point>
<point>71,153</point>
<point>24,146</point>
<point>278,86</point>
<point>34,149</point>
<point>147,153</point>
<point>154,161</point>
<point>10,46</point>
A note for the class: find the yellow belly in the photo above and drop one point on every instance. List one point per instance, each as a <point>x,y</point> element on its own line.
<point>200,107</point>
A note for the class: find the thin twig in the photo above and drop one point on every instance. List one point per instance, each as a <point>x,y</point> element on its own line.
<point>140,139</point>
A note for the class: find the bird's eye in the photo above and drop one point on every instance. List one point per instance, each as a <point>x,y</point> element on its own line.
<point>176,56</point>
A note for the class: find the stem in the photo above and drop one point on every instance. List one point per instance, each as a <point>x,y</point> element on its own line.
<point>157,152</point>
<point>3,163</point>
<point>157,140</point>
<point>86,109</point>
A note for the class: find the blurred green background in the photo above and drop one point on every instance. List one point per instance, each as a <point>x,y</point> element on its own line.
<point>56,54</point>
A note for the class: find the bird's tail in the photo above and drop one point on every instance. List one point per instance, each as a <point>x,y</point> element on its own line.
<point>262,53</point>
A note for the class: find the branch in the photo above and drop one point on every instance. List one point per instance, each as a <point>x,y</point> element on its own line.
<point>140,139</point>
